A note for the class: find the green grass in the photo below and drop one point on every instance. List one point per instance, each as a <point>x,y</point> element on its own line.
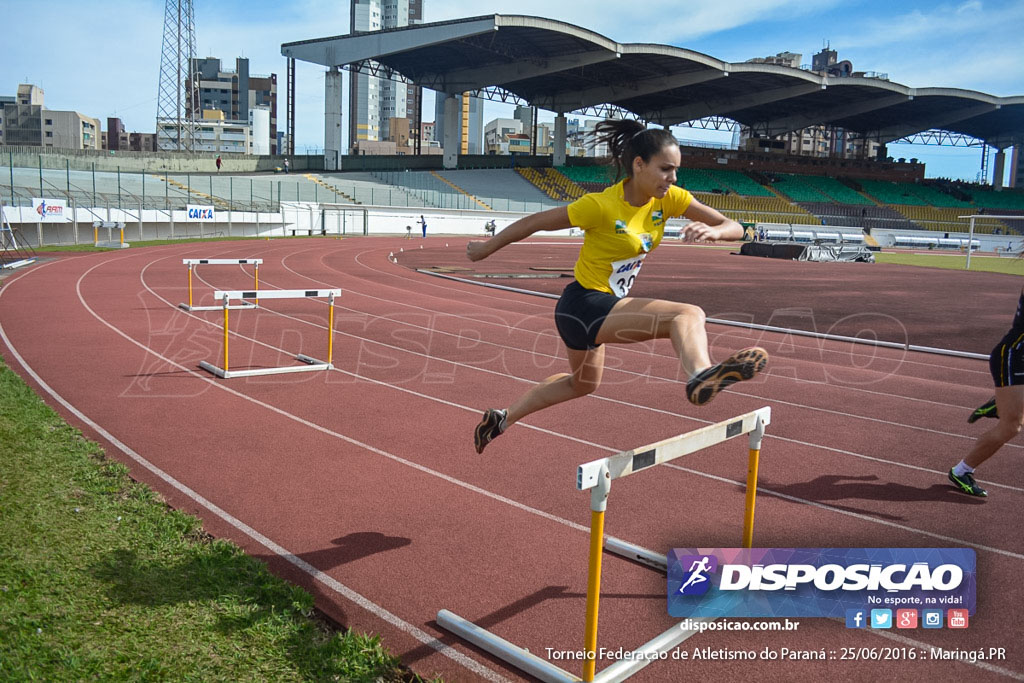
<point>986,264</point>
<point>99,579</point>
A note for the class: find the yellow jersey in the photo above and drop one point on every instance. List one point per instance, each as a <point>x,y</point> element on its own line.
<point>617,236</point>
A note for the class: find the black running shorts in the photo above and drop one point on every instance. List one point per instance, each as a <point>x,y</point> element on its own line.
<point>1007,360</point>
<point>579,314</point>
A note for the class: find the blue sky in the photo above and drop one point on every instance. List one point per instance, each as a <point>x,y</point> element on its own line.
<point>104,60</point>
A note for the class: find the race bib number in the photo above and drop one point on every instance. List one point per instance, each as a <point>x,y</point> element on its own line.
<point>624,273</point>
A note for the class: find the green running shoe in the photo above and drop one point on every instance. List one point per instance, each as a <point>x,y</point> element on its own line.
<point>965,482</point>
<point>987,410</point>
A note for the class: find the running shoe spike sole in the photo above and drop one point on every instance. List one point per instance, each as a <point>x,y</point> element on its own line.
<point>740,366</point>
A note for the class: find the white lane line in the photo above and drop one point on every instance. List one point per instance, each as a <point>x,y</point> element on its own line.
<point>278,550</point>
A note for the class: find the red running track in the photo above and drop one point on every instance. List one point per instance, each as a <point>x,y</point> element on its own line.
<point>362,485</point>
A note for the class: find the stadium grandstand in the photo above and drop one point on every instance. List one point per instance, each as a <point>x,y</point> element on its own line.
<point>759,188</point>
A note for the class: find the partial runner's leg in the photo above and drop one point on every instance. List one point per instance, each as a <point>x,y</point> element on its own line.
<point>587,367</point>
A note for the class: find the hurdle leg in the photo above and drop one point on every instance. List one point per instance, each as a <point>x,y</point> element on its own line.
<point>598,505</point>
<point>190,285</point>
<point>256,283</point>
<point>751,497</point>
<point>225,335</point>
<point>330,329</point>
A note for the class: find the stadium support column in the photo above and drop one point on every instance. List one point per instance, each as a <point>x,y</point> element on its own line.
<point>452,132</point>
<point>997,178</point>
<point>332,119</point>
<point>558,157</point>
<point>1016,161</point>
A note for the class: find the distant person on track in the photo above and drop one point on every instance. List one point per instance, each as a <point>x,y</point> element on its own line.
<point>423,224</point>
<point>1006,363</point>
<point>621,225</point>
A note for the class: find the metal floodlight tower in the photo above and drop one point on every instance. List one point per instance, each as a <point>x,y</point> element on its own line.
<point>177,100</point>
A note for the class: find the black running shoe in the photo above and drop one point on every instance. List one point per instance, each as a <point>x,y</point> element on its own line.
<point>737,367</point>
<point>489,429</point>
<point>965,482</point>
<point>987,410</point>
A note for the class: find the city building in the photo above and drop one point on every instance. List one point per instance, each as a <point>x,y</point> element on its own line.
<point>471,110</point>
<point>236,93</point>
<point>376,101</point>
<point>259,127</point>
<point>816,141</point>
<point>25,120</point>
<point>213,133</point>
<point>505,136</point>
<point>116,138</point>
<point>497,133</point>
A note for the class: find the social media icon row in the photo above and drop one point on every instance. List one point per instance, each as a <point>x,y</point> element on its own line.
<point>905,618</point>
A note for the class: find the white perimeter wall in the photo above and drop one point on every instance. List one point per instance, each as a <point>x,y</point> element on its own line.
<point>303,218</point>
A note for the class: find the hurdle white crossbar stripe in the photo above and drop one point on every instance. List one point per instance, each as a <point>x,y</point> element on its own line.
<point>245,294</point>
<point>632,461</point>
<point>193,262</point>
<point>221,261</point>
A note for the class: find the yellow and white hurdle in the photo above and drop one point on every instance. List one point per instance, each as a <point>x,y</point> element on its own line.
<point>193,262</point>
<point>311,363</point>
<point>597,477</point>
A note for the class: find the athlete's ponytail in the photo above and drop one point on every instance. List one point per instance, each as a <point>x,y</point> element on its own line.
<point>628,139</point>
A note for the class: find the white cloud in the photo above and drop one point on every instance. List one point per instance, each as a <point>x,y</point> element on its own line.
<point>945,28</point>
<point>654,21</point>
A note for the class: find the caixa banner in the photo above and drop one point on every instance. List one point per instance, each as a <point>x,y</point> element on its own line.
<point>817,582</point>
<point>201,213</point>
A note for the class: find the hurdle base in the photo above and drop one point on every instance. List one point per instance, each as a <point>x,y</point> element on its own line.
<point>518,657</point>
<point>18,264</point>
<point>312,364</point>
<point>112,245</point>
<point>544,670</point>
<point>636,553</point>
<point>232,307</point>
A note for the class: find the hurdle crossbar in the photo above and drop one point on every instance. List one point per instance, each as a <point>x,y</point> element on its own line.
<point>596,476</point>
<point>251,295</point>
<point>193,262</point>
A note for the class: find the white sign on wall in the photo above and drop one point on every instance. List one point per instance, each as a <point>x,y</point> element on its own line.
<point>50,210</point>
<point>198,213</point>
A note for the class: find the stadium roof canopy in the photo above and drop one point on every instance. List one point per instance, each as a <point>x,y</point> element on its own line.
<point>560,67</point>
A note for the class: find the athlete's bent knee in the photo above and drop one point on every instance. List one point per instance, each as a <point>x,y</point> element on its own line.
<point>583,387</point>
<point>693,314</point>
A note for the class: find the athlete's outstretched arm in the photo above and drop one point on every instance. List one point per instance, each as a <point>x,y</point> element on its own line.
<point>709,225</point>
<point>552,219</point>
